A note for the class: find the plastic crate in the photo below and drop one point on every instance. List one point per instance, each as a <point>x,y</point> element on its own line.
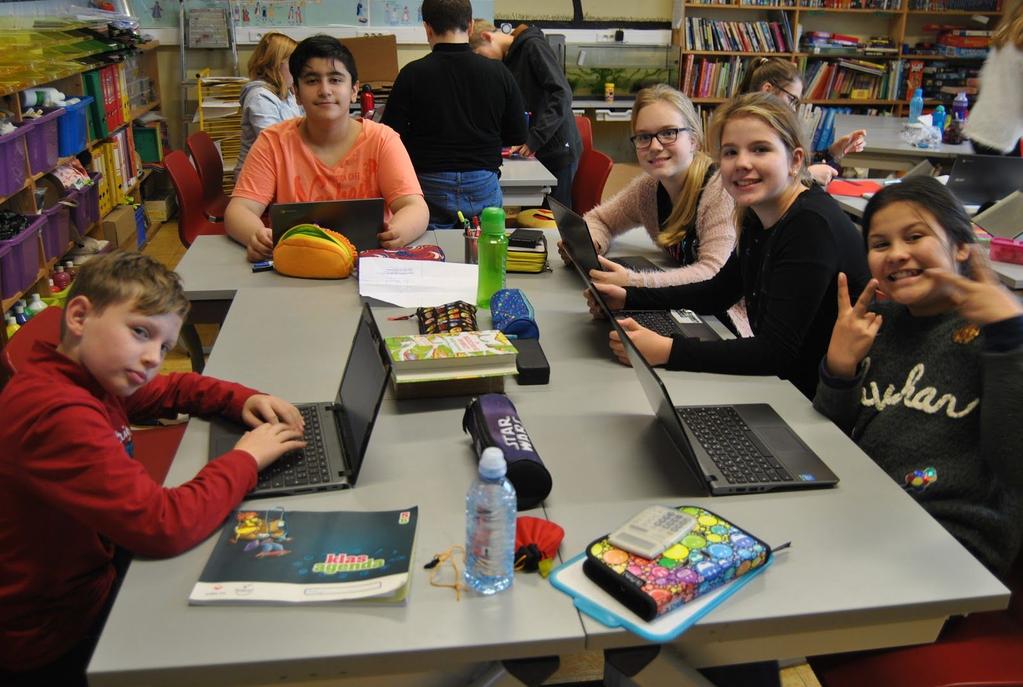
<point>56,231</point>
<point>12,161</point>
<point>19,264</point>
<point>147,143</point>
<point>86,212</point>
<point>140,227</point>
<point>42,142</point>
<point>73,128</point>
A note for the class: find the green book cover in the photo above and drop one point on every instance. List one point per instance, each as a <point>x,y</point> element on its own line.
<point>276,556</point>
<point>462,351</point>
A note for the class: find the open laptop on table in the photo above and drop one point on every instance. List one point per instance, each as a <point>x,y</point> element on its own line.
<point>733,449</point>
<point>360,220</point>
<point>575,236</point>
<point>337,433</point>
<point>985,179</point>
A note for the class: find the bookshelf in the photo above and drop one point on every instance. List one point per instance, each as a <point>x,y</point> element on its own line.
<point>718,38</point>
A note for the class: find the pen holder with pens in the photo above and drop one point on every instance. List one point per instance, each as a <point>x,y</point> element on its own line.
<point>472,255</point>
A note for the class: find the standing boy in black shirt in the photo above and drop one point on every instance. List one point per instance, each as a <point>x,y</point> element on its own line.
<point>454,110</point>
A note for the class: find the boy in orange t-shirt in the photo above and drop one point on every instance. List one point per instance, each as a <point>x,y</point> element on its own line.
<point>326,155</point>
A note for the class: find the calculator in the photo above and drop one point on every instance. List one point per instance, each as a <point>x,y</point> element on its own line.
<point>652,530</point>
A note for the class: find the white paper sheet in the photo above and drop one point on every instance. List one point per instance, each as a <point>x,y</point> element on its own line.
<point>415,283</point>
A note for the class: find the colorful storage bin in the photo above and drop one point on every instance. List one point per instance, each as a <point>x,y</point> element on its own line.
<point>42,141</point>
<point>56,231</point>
<point>86,213</point>
<point>73,128</point>
<point>12,161</point>
<point>19,259</point>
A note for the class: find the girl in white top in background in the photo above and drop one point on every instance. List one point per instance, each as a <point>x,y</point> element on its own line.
<point>268,98</point>
<point>995,123</point>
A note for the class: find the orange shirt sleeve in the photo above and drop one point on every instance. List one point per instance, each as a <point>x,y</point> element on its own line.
<point>258,179</point>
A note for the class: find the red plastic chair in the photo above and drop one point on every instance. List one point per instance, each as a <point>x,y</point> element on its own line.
<point>980,650</point>
<point>585,127</point>
<point>590,178</point>
<point>154,447</point>
<point>210,167</point>
<point>192,221</point>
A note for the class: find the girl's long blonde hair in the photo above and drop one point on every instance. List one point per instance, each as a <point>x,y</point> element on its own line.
<point>684,211</point>
<point>1010,30</point>
<point>776,114</point>
<point>273,50</point>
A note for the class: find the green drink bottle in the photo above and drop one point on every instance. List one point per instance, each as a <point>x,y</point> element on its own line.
<point>493,255</point>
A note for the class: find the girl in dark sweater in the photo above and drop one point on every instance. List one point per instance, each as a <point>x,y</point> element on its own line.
<point>794,241</point>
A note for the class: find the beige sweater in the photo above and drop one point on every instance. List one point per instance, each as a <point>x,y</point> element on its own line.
<point>636,205</point>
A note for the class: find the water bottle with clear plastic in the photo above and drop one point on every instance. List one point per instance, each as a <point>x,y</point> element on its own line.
<point>490,511</point>
<point>916,105</point>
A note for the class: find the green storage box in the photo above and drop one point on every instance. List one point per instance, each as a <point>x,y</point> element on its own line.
<point>147,143</point>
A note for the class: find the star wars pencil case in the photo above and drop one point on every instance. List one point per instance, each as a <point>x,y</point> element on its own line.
<point>307,250</point>
<point>713,554</point>
<point>491,420</point>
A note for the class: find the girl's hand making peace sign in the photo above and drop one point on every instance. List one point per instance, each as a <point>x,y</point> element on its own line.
<point>980,298</point>
<point>855,330</point>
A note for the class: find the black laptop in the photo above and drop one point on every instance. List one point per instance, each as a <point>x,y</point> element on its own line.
<point>575,236</point>
<point>985,179</point>
<point>360,220</point>
<point>733,449</point>
<point>337,433</point>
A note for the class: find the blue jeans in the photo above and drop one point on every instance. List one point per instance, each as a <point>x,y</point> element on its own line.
<point>448,192</point>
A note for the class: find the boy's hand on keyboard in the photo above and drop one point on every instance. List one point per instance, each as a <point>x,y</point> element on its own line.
<point>612,273</point>
<point>613,295</point>
<point>270,441</point>
<point>261,408</point>
<point>652,346</point>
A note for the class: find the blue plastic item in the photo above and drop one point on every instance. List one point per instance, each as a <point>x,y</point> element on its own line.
<point>916,105</point>
<point>73,128</point>
<point>938,118</point>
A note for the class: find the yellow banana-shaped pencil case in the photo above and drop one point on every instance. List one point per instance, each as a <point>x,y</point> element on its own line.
<point>310,251</point>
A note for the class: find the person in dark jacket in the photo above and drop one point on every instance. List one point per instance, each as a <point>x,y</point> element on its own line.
<point>454,110</point>
<point>553,137</point>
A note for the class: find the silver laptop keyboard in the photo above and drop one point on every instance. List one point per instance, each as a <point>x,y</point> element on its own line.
<point>298,468</point>
<point>728,441</point>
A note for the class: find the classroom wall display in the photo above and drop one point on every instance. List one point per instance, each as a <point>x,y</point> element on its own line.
<point>305,13</point>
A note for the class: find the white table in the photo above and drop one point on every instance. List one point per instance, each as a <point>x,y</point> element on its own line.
<point>885,148</point>
<point>525,181</point>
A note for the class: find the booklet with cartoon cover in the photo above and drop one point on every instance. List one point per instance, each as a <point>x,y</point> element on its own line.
<point>276,556</point>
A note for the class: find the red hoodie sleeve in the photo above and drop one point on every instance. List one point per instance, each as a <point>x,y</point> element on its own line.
<point>195,394</point>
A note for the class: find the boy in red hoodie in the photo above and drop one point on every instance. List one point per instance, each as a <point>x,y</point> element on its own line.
<point>73,500</point>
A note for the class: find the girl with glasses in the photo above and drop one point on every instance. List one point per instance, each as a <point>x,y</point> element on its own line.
<point>679,199</point>
<point>794,239</point>
<point>781,78</point>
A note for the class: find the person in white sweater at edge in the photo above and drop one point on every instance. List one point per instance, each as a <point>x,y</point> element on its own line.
<point>995,124</point>
<point>268,98</point>
<point>679,200</point>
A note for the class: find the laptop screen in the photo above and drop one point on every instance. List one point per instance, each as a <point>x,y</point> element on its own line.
<point>985,179</point>
<point>576,236</point>
<point>360,220</point>
<point>362,388</point>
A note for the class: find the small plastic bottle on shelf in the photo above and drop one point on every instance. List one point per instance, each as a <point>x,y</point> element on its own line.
<point>36,305</point>
<point>19,315</point>
<point>490,511</point>
<point>69,267</point>
<point>12,326</point>
<point>61,279</point>
<point>916,105</point>
<point>959,106</point>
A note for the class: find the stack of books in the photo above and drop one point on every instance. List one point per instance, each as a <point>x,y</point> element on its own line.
<point>450,364</point>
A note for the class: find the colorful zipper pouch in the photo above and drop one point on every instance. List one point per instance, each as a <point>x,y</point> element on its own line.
<point>716,552</point>
<point>454,317</point>
<point>310,251</point>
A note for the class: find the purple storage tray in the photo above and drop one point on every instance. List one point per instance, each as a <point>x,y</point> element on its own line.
<point>56,231</point>
<point>87,211</point>
<point>12,161</point>
<point>41,140</point>
<point>20,264</point>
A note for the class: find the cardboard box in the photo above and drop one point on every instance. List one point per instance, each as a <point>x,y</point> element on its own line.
<point>161,209</point>
<point>376,57</point>
<point>119,227</point>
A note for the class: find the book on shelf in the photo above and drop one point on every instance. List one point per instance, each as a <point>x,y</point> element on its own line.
<point>276,556</point>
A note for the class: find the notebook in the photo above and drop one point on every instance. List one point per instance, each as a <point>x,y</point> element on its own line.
<point>732,449</point>
<point>985,179</point>
<point>337,432</point>
<point>360,220</point>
